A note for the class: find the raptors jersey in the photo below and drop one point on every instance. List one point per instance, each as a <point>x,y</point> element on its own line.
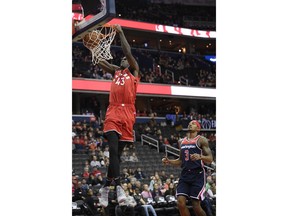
<point>188,147</point>
<point>121,114</point>
<point>123,88</point>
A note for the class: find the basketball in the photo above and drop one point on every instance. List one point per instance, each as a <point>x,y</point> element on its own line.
<point>92,39</point>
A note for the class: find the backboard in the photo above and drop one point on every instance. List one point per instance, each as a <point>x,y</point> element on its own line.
<point>88,14</point>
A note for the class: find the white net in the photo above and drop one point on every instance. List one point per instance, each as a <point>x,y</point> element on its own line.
<point>99,42</point>
<point>103,4</point>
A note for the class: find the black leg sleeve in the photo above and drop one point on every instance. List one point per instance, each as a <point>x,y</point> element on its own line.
<point>114,163</point>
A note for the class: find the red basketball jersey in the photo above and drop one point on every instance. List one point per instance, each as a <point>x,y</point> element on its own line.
<point>123,87</point>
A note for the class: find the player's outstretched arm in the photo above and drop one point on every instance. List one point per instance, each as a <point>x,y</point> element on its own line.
<point>176,162</point>
<point>167,161</point>
<point>127,51</point>
<point>106,66</point>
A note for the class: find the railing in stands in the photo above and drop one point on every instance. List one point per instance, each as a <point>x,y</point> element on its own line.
<point>157,69</point>
<point>170,74</point>
<point>149,141</point>
<point>183,80</point>
<point>171,150</point>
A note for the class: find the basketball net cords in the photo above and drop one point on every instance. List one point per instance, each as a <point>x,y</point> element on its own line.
<point>101,50</point>
<point>102,4</point>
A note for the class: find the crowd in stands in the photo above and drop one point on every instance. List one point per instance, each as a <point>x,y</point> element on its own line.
<point>155,67</point>
<point>144,190</point>
<point>180,15</point>
<point>167,134</point>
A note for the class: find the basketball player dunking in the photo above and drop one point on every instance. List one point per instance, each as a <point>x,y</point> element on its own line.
<point>194,151</point>
<point>120,114</point>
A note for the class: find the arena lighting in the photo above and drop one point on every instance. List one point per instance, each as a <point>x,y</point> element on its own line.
<point>90,85</point>
<point>211,58</point>
<point>184,50</point>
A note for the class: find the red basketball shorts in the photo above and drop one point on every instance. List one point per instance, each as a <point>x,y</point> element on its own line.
<point>120,118</point>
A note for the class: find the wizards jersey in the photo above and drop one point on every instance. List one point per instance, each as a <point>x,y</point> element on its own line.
<point>188,147</point>
<point>192,180</point>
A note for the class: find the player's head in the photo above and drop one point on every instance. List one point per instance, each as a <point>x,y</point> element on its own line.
<point>194,126</point>
<point>124,63</point>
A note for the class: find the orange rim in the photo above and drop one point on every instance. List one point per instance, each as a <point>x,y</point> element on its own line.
<point>107,25</point>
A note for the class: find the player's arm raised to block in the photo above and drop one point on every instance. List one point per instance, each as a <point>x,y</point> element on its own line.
<point>127,51</point>
<point>106,66</point>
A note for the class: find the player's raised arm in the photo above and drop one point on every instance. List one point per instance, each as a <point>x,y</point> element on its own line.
<point>106,66</point>
<point>127,51</point>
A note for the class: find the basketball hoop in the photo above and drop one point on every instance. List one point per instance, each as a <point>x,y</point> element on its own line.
<point>99,41</point>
